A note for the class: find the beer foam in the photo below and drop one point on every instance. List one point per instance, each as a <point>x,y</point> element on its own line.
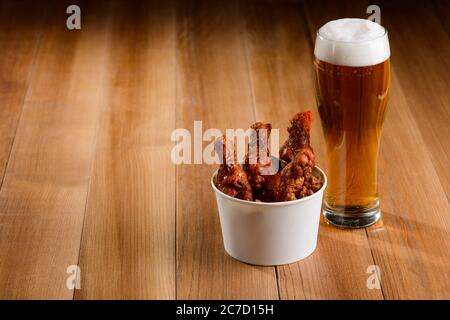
<point>352,42</point>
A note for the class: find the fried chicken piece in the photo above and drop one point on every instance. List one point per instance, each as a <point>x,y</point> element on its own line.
<point>294,181</point>
<point>257,162</point>
<point>260,178</point>
<point>298,135</point>
<point>231,179</point>
<point>271,190</point>
<point>297,179</point>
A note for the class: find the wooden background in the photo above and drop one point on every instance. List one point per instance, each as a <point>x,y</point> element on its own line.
<point>85,171</point>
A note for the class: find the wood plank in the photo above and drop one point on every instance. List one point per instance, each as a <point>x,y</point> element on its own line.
<point>281,67</point>
<point>213,86</point>
<point>128,247</point>
<point>18,51</point>
<point>421,54</point>
<point>43,197</point>
<point>412,242</point>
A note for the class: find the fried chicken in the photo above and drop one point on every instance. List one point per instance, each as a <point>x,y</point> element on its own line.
<point>231,179</point>
<point>260,179</point>
<point>298,135</point>
<point>297,179</point>
<point>257,162</point>
<point>294,181</point>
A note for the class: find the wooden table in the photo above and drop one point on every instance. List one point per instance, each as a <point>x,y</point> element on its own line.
<point>86,177</point>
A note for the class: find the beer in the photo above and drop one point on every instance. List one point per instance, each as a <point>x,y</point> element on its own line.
<point>352,86</point>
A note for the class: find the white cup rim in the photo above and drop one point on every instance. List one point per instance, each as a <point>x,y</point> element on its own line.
<point>273,204</point>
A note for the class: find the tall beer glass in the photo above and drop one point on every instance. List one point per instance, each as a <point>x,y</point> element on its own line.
<point>352,86</point>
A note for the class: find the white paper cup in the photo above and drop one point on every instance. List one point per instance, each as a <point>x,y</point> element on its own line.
<point>270,233</point>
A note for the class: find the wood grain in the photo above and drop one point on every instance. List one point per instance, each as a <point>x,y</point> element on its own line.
<point>416,51</point>
<point>128,242</point>
<point>213,86</point>
<point>411,245</point>
<point>16,65</point>
<point>86,177</point>
<point>43,196</point>
<point>281,69</point>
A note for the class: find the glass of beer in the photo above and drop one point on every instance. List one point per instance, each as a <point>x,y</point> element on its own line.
<point>352,87</point>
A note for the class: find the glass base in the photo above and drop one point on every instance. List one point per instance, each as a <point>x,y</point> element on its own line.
<point>352,217</point>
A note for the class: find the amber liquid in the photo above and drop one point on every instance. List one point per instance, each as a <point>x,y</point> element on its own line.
<point>352,106</point>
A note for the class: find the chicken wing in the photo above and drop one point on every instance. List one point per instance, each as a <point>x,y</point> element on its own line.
<point>260,179</point>
<point>257,162</point>
<point>231,179</point>
<point>298,135</point>
<point>296,179</point>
